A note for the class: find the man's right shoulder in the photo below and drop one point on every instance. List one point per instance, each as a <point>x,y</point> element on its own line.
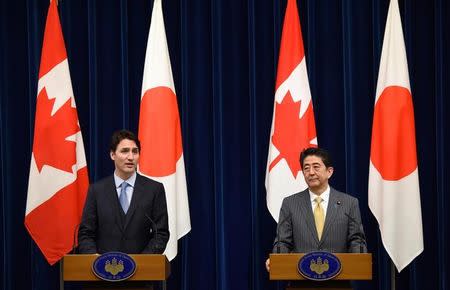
<point>147,181</point>
<point>296,196</point>
<point>102,182</point>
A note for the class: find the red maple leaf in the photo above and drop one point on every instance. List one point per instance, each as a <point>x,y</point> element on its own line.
<point>291,133</point>
<point>50,145</point>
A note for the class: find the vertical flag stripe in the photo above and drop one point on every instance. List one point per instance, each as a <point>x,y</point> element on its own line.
<point>293,125</point>
<point>58,178</point>
<point>160,131</point>
<point>394,194</point>
<point>292,47</point>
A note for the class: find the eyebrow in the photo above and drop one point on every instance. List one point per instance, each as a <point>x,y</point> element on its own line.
<point>315,163</point>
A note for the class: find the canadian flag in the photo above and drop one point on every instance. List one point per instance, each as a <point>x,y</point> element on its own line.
<point>58,178</point>
<point>293,126</point>
<point>394,195</point>
<point>160,131</point>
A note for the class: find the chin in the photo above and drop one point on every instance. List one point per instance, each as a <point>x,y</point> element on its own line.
<point>128,172</point>
<point>315,187</point>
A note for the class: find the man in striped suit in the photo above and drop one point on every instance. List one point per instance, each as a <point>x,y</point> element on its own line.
<point>319,218</point>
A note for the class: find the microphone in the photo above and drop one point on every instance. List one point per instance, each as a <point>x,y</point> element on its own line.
<point>75,240</point>
<point>277,242</point>
<point>157,248</point>
<point>153,227</point>
<point>361,236</point>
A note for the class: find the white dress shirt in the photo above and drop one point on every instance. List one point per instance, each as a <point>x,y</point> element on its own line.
<point>325,199</point>
<point>118,181</point>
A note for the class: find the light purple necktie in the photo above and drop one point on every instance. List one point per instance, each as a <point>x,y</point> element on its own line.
<point>123,197</point>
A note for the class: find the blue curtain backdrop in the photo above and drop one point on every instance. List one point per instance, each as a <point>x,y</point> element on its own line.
<point>224,55</point>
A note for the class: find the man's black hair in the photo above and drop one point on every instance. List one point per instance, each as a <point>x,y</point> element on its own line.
<point>120,135</point>
<point>319,152</point>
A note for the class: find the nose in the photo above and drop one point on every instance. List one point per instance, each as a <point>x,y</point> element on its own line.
<point>311,172</point>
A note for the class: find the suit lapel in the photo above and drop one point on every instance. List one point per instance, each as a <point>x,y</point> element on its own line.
<point>331,213</point>
<point>113,199</point>
<point>308,214</point>
<point>137,191</point>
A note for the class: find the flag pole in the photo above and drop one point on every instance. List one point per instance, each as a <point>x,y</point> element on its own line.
<point>61,278</point>
<point>392,275</point>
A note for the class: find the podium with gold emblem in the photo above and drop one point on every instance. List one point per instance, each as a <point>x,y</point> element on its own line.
<point>332,271</point>
<point>115,271</point>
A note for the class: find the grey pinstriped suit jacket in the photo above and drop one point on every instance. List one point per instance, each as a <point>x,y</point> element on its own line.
<point>296,231</point>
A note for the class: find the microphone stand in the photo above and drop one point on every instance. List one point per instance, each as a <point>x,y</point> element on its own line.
<point>153,227</point>
<point>75,240</point>
<point>155,234</point>
<point>361,236</point>
<point>277,242</point>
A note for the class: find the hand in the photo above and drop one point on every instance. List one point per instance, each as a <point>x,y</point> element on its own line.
<point>268,264</point>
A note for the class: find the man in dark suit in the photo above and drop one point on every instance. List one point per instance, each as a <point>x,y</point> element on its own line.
<point>319,218</point>
<point>124,212</point>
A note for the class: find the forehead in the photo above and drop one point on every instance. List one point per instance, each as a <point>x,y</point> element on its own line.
<point>126,143</point>
<point>312,159</point>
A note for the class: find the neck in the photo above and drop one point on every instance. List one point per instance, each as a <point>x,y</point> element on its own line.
<point>318,190</point>
<point>122,175</point>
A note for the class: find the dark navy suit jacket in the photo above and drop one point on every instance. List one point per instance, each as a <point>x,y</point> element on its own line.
<point>104,226</point>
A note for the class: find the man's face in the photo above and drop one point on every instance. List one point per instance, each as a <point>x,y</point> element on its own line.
<point>316,174</point>
<point>126,158</point>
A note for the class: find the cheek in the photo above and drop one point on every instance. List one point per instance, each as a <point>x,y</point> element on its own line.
<point>120,159</point>
<point>323,176</point>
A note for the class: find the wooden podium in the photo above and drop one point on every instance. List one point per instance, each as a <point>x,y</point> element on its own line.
<point>78,268</point>
<point>354,267</point>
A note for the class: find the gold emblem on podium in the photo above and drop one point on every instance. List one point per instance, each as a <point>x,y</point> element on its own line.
<point>114,267</point>
<point>318,266</point>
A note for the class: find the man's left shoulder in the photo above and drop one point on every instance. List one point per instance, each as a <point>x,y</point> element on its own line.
<point>342,195</point>
<point>146,181</point>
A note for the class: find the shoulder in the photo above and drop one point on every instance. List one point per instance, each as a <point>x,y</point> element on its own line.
<point>342,195</point>
<point>148,182</point>
<point>100,189</point>
<point>294,198</point>
<point>109,180</point>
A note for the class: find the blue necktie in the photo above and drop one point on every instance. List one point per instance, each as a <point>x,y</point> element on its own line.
<point>123,197</point>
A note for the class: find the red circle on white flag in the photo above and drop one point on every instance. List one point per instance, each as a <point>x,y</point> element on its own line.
<point>393,150</point>
<point>159,132</point>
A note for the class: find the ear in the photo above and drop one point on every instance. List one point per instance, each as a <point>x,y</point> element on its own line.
<point>330,171</point>
<point>112,155</point>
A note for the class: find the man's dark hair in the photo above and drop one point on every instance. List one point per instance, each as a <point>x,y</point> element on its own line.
<point>120,135</point>
<point>319,152</point>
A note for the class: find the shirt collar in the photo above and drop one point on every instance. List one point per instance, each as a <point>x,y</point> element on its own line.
<point>118,181</point>
<point>325,195</point>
